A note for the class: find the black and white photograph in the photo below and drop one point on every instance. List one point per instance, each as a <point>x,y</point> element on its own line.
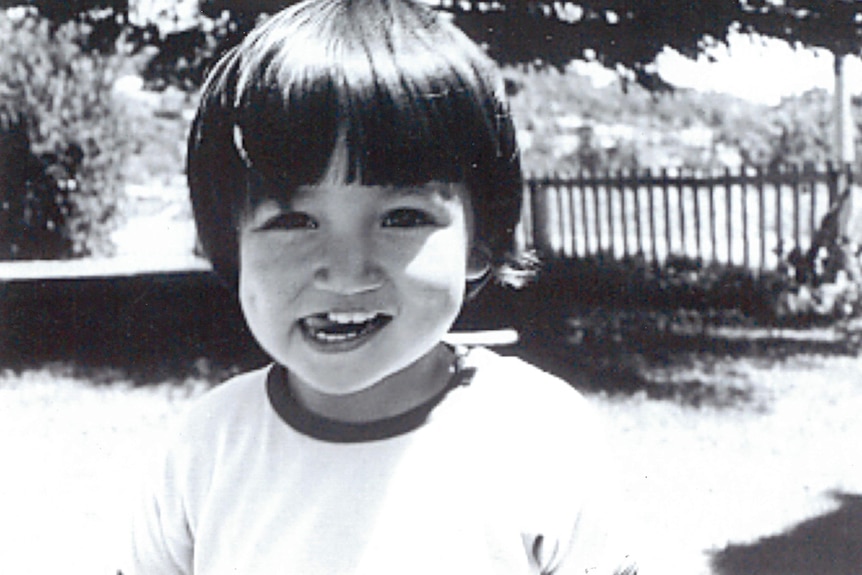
<point>427,287</point>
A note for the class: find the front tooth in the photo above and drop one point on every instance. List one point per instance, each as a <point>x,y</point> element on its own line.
<point>338,317</point>
<point>348,317</point>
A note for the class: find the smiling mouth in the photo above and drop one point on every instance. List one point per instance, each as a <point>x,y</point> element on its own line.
<point>342,327</point>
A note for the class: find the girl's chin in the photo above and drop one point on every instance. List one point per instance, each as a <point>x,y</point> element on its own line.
<point>337,384</point>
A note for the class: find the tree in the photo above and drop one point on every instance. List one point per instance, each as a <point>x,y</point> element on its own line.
<point>625,35</point>
<point>62,11</point>
<point>835,25</point>
<point>628,34</point>
<point>107,19</point>
<point>62,143</point>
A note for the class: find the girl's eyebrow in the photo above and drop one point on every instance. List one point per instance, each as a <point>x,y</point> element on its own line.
<point>442,190</point>
<point>430,189</point>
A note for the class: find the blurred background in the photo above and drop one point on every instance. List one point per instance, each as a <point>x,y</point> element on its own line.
<point>691,170</point>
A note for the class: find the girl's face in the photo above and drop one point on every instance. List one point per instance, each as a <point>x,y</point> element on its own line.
<point>347,285</point>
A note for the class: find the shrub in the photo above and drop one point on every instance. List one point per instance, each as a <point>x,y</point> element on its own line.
<point>59,95</point>
<point>826,287</point>
<point>680,285</point>
<point>33,206</point>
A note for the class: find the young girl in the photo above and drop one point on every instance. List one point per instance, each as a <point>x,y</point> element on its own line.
<point>354,174</point>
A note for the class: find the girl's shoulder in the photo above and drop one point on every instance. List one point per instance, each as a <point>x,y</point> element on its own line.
<point>510,374</point>
<point>235,402</point>
<point>517,389</point>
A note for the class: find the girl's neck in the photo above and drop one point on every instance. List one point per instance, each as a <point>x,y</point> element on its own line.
<point>392,396</point>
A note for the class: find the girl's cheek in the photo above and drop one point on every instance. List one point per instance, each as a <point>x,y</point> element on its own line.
<point>442,259</point>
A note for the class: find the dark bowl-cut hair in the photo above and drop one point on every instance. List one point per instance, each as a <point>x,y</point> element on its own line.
<point>405,92</point>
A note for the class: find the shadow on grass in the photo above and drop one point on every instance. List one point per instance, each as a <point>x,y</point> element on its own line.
<point>666,344</point>
<point>830,544</point>
<point>670,356</point>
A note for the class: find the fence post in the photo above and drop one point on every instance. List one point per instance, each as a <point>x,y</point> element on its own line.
<point>527,238</point>
<point>597,213</point>
<point>680,207</point>
<point>744,200</point>
<point>621,176</point>
<point>728,204</point>
<point>794,174</point>
<point>541,220</point>
<point>609,197</point>
<point>665,184</point>
<point>779,213</point>
<point>844,186</point>
<point>651,199</point>
<point>585,220</point>
<point>761,210</point>
<point>572,190</point>
<point>560,210</point>
<point>812,211</point>
<point>713,223</point>
<point>695,190</point>
<point>844,145</point>
<point>638,225</point>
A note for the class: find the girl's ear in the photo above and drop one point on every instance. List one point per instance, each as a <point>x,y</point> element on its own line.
<point>478,263</point>
<point>478,270</point>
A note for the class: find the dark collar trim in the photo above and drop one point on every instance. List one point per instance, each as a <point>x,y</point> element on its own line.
<point>308,423</point>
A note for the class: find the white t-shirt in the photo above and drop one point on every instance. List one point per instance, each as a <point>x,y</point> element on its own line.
<point>503,473</point>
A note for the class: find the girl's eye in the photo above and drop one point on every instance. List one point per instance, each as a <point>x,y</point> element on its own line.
<point>290,221</point>
<point>407,218</point>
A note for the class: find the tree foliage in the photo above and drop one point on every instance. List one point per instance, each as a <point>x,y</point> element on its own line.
<point>631,33</point>
<point>619,34</point>
<point>625,35</point>
<point>835,25</point>
<point>62,11</point>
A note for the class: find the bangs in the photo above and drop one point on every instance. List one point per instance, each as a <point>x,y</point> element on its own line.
<point>288,138</point>
<point>397,139</point>
<point>406,111</point>
<point>424,130</point>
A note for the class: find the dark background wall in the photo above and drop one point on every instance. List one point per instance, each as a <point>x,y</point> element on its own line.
<point>151,323</point>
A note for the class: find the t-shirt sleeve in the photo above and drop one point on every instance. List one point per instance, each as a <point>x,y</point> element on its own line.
<point>597,542</point>
<point>158,537</point>
<point>581,524</point>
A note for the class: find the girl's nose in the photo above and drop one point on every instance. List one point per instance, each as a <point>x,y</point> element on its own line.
<point>347,266</point>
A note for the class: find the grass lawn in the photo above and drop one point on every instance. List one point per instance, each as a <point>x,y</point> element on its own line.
<point>713,483</point>
<point>71,444</point>
<point>747,465</point>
